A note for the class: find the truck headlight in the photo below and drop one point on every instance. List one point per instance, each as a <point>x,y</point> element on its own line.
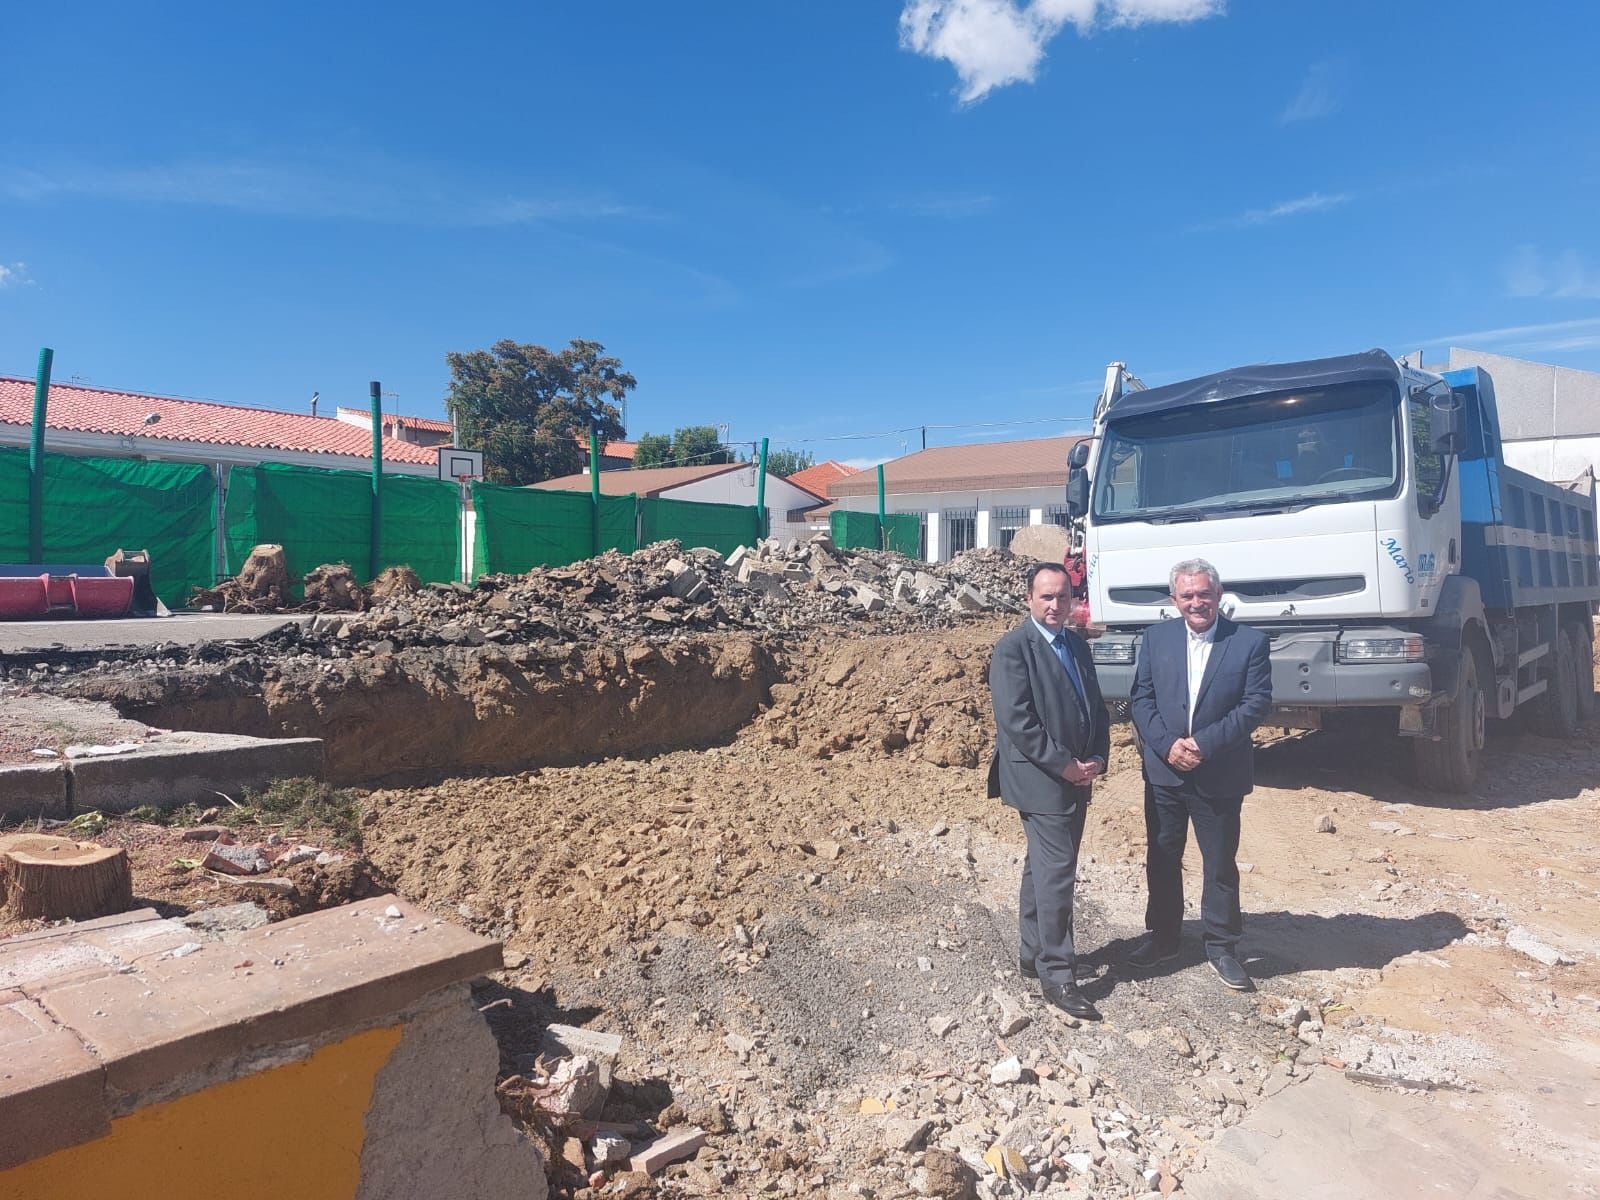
<point>1381,649</point>
<point>1108,653</point>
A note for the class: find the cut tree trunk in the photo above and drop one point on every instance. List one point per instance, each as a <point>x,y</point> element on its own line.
<point>55,877</point>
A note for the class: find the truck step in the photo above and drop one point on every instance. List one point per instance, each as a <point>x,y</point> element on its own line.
<point>1528,656</point>
<point>1532,690</point>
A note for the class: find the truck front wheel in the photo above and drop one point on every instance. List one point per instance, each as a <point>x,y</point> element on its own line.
<point>1451,763</point>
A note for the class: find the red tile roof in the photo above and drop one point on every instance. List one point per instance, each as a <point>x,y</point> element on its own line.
<point>96,410</point>
<point>425,423</point>
<point>1037,462</point>
<point>610,449</point>
<point>649,481</point>
<point>817,478</point>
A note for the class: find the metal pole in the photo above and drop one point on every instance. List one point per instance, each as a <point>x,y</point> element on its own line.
<point>41,402</point>
<point>763,526</point>
<point>883,533</point>
<point>375,391</point>
<point>594,486</point>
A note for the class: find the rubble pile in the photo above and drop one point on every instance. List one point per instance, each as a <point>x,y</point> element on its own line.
<point>662,591</point>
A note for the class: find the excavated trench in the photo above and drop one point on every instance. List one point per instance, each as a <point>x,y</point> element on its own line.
<point>415,713</point>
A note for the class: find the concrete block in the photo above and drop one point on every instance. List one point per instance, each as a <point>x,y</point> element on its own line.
<point>34,790</point>
<point>186,768</point>
<point>678,1144</point>
<point>568,1041</point>
<point>51,1094</point>
<point>738,556</point>
<point>684,582</point>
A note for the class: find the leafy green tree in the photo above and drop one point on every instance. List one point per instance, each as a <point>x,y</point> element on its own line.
<point>784,463</point>
<point>529,409</point>
<point>690,446</point>
<point>653,450</point>
<point>698,446</point>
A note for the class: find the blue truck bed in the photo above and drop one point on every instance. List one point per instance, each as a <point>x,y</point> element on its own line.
<point>1524,540</point>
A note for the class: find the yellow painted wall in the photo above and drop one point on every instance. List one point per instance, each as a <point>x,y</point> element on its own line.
<point>288,1133</point>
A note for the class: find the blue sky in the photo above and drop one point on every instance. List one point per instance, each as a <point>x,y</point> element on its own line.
<point>801,220</point>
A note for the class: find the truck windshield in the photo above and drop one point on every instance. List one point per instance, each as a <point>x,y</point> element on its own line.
<point>1259,454</point>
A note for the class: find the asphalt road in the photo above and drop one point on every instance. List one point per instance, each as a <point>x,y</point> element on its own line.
<point>23,637</point>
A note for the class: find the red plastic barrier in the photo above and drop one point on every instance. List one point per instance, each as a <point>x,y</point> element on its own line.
<point>108,597</point>
<point>24,598</point>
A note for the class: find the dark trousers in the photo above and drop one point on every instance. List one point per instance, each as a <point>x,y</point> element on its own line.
<point>1044,907</point>
<point>1168,812</point>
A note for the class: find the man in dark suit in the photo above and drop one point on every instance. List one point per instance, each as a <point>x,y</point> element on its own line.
<point>1052,737</point>
<point>1201,686</point>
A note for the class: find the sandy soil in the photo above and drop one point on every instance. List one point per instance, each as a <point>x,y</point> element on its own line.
<point>777,924</point>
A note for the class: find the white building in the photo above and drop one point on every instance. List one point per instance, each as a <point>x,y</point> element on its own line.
<point>1549,416</point>
<point>968,496</point>
<point>722,483</point>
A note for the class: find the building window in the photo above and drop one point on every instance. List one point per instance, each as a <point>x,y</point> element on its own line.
<point>1057,514</point>
<point>960,530</point>
<point>1006,523</point>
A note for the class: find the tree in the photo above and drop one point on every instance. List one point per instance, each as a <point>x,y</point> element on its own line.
<point>784,463</point>
<point>653,450</point>
<point>690,446</point>
<point>698,446</point>
<point>530,409</point>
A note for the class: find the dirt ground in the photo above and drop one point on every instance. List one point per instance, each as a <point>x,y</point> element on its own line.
<point>806,936</point>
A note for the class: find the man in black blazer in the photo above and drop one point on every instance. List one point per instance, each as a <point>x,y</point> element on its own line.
<point>1052,738</point>
<point>1201,686</point>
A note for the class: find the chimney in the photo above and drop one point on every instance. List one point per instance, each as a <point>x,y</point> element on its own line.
<point>315,396</point>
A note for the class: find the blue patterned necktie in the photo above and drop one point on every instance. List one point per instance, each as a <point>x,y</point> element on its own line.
<point>1064,653</point>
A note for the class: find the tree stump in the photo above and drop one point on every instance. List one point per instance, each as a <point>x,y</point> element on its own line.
<point>55,877</point>
<point>265,576</point>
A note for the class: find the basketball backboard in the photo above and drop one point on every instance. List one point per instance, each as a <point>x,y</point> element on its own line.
<point>456,463</point>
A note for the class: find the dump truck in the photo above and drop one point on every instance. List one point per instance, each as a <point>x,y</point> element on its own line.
<point>1362,516</point>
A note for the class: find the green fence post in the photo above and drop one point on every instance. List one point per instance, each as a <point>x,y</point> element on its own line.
<point>375,555</point>
<point>41,403</point>
<point>594,488</point>
<point>763,526</point>
<point>883,532</point>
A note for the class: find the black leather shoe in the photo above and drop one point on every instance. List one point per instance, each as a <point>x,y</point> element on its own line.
<point>1027,970</point>
<point>1231,973</point>
<point>1152,952</point>
<point>1070,1000</point>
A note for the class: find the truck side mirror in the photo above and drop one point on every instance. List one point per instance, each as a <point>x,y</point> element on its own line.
<point>1446,425</point>
<point>1078,456</point>
<point>1077,492</point>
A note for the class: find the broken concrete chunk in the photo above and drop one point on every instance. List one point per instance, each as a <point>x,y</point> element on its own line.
<point>1007,1070</point>
<point>568,1041</point>
<point>1012,1017</point>
<point>575,1088</point>
<point>670,1148</point>
<point>1523,942</point>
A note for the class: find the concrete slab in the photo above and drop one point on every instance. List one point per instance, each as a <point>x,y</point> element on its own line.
<point>1331,1139</point>
<point>50,1086</point>
<point>183,629</point>
<point>190,768</point>
<point>33,790</point>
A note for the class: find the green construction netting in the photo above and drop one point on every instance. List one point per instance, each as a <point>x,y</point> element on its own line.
<point>722,527</point>
<point>93,506</point>
<point>859,531</point>
<point>320,516</point>
<point>520,527</point>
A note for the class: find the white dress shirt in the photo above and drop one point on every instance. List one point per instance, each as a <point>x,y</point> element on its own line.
<point>1199,655</point>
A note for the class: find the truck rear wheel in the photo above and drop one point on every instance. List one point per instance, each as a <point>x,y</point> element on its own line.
<point>1451,763</point>
<point>1554,712</point>
<point>1582,651</point>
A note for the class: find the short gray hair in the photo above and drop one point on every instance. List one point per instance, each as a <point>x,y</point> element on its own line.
<point>1194,566</point>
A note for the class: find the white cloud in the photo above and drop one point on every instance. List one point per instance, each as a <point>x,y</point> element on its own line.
<point>376,189</point>
<point>866,464</point>
<point>1300,206</point>
<point>14,275</point>
<point>1564,276</point>
<point>992,43</point>
<point>1319,94</point>
<point>1580,334</point>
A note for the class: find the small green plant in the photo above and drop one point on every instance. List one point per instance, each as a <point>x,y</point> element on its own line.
<point>303,802</point>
